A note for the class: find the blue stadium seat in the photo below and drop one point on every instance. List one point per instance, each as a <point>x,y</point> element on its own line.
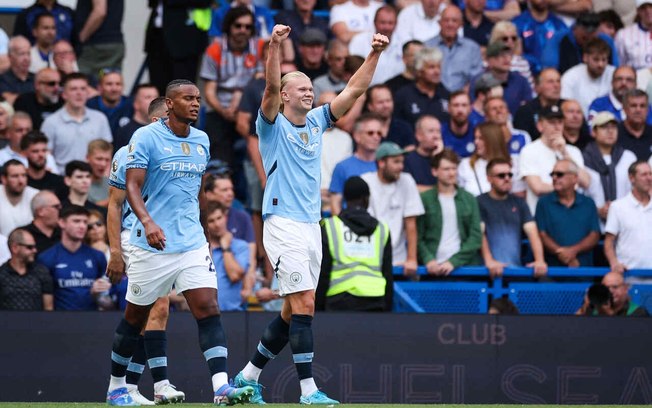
<point>642,295</point>
<point>547,298</point>
<point>440,297</point>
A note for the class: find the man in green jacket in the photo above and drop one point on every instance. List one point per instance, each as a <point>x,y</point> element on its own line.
<point>449,233</point>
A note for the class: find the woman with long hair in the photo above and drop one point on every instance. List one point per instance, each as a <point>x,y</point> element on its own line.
<point>489,144</point>
<point>96,236</point>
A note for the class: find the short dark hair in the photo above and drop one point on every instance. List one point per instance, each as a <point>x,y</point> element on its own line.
<point>73,76</point>
<point>175,83</point>
<point>209,181</point>
<point>633,168</point>
<point>42,15</point>
<point>9,163</point>
<point>234,14</point>
<point>634,93</point>
<point>446,154</point>
<point>155,105</point>
<point>144,86</point>
<point>411,42</point>
<point>31,138</point>
<point>74,165</point>
<point>597,46</point>
<point>455,94</point>
<point>610,16</point>
<point>504,306</point>
<point>495,162</point>
<point>213,206</point>
<point>371,89</point>
<point>71,210</point>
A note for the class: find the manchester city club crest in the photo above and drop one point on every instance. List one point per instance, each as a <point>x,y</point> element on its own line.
<point>295,278</point>
<point>200,150</point>
<point>304,137</point>
<point>131,147</point>
<point>114,166</point>
<point>185,148</point>
<point>135,289</point>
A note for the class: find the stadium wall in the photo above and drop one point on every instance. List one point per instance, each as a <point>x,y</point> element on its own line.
<point>371,358</point>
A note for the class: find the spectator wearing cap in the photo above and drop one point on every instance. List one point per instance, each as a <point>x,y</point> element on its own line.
<point>367,134</point>
<point>566,49</point>
<point>539,157</point>
<point>591,79</point>
<point>300,18</point>
<point>392,58</point>
<point>536,26</point>
<point>352,17</point>
<point>628,239</point>
<point>633,43</point>
<point>355,277</point>
<point>607,163</point>
<point>635,131</point>
<point>449,233</point>
<point>548,88</point>
<point>312,50</point>
<point>567,220</point>
<point>427,95</point>
<point>394,199</point>
<point>486,86</point>
<point>462,56</point>
<point>516,89</point>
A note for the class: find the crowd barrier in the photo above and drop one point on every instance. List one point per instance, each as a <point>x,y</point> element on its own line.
<point>549,298</point>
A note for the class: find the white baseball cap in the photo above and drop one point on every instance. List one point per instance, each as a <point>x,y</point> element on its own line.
<point>639,3</point>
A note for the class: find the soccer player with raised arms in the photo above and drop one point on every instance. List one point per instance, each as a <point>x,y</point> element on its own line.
<point>165,163</point>
<point>290,134</point>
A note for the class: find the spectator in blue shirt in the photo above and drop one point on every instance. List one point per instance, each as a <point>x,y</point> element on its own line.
<point>568,221</point>
<point>477,26</point>
<point>63,17</point>
<point>565,49</point>
<point>230,257</point>
<point>77,269</point>
<point>536,26</point>
<point>458,132</point>
<point>117,108</point>
<point>622,82</point>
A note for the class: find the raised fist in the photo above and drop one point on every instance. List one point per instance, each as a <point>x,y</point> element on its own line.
<point>379,42</point>
<point>280,33</point>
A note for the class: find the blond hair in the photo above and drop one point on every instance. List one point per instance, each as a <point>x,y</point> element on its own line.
<point>287,78</point>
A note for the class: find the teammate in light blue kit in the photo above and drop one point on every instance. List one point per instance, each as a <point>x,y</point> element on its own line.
<point>290,136</point>
<point>166,161</point>
<point>153,342</point>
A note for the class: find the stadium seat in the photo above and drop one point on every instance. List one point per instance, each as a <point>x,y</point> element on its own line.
<point>547,298</point>
<point>440,297</point>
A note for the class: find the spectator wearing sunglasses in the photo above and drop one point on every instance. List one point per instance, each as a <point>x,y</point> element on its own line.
<point>44,100</point>
<point>567,220</point>
<point>45,227</point>
<point>24,285</point>
<point>505,217</point>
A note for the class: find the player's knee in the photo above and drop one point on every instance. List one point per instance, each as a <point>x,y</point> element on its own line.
<point>159,314</point>
<point>137,315</point>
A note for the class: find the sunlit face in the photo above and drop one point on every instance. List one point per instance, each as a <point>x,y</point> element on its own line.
<point>391,167</point>
<point>75,93</point>
<point>550,128</point>
<point>607,134</point>
<point>19,54</point>
<point>48,84</point>
<point>368,135</point>
<point>184,103</point>
<point>430,73</point>
<point>480,148</point>
<point>618,288</point>
<point>20,126</point>
<point>549,84</point>
<point>636,109</point>
<point>100,161</point>
<point>459,109</point>
<point>96,229</point>
<point>143,98</point>
<point>446,173</point>
<point>623,80</point>
<point>25,248</point>
<point>450,22</point>
<point>298,94</point>
<point>74,227</point>
<point>564,178</point>
<point>385,22</point>
<point>596,63</point>
<point>496,111</point>
<point>573,115</point>
<point>222,192</point>
<point>79,182</point>
<point>49,212</point>
<point>428,134</point>
<point>111,87</point>
<point>36,155</point>
<point>642,180</point>
<point>381,103</point>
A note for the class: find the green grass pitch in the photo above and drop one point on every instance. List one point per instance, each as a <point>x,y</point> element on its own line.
<point>99,405</point>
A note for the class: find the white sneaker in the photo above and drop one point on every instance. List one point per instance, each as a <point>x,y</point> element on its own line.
<point>168,394</point>
<point>138,397</point>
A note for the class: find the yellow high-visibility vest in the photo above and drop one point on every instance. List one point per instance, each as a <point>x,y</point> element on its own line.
<point>357,260</point>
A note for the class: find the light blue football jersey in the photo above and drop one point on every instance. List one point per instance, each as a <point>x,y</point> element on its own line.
<point>291,157</point>
<point>175,166</point>
<point>118,179</point>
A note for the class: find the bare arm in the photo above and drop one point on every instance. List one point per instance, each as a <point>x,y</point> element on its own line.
<point>94,21</point>
<point>571,7</point>
<point>360,81</point>
<point>336,203</point>
<point>154,233</point>
<point>537,185</point>
<point>342,32</point>
<point>511,10</point>
<point>548,243</point>
<point>48,302</point>
<point>234,271</point>
<point>495,267</point>
<point>584,178</point>
<point>610,253</point>
<point>410,266</point>
<point>116,266</point>
<point>532,232</point>
<point>272,95</point>
<point>347,121</point>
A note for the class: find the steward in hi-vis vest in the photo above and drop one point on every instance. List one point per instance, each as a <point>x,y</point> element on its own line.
<point>356,271</point>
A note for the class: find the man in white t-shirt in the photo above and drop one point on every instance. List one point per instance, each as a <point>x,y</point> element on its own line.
<point>628,239</point>
<point>392,58</point>
<point>15,197</point>
<point>419,21</point>
<point>353,17</point>
<point>587,81</point>
<point>539,157</point>
<point>395,200</point>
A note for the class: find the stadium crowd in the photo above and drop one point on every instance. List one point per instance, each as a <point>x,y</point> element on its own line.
<point>487,121</point>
